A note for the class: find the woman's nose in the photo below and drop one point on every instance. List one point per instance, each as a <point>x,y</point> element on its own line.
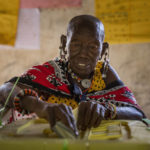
<point>83,50</point>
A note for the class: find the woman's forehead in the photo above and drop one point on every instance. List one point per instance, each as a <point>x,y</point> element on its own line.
<point>90,28</point>
<point>81,26</point>
<point>85,33</point>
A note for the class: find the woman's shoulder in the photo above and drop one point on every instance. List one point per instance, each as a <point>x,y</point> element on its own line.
<point>112,78</point>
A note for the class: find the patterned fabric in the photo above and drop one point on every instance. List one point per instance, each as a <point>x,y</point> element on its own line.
<point>59,100</point>
<point>49,77</point>
<point>120,96</point>
<point>51,80</point>
<point>54,81</point>
<point>97,85</point>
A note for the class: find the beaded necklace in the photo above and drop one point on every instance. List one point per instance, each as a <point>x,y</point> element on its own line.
<point>86,83</point>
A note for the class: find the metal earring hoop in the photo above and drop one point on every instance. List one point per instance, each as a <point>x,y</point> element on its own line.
<point>106,62</point>
<point>100,57</point>
<point>63,52</point>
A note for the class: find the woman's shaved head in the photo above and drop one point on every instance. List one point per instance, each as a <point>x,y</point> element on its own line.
<point>86,22</point>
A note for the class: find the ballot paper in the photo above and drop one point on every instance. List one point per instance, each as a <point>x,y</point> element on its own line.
<point>121,130</point>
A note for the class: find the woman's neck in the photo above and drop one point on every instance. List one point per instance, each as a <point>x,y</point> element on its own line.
<point>83,82</point>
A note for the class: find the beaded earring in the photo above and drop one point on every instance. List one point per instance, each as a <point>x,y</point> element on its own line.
<point>62,47</point>
<point>106,59</point>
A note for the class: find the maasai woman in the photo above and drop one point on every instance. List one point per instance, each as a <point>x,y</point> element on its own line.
<point>79,78</point>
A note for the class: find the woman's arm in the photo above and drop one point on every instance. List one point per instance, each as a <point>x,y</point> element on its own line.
<point>129,113</point>
<point>113,80</point>
<point>91,113</point>
<point>51,112</point>
<point>5,89</point>
<point>111,76</point>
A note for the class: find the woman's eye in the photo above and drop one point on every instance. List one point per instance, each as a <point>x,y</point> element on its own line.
<point>75,44</point>
<point>75,47</point>
<point>93,46</point>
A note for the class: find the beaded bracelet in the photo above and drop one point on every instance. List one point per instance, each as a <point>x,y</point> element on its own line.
<point>112,112</point>
<point>20,95</point>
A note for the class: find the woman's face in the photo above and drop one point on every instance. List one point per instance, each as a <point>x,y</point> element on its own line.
<point>84,47</point>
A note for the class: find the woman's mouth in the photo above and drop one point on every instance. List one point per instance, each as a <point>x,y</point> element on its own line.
<point>83,66</point>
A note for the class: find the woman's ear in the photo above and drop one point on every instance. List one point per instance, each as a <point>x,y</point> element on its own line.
<point>104,48</point>
<point>63,40</point>
<point>62,47</point>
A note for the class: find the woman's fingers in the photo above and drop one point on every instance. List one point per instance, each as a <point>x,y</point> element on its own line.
<point>94,115</point>
<point>90,114</point>
<point>85,114</point>
<point>97,122</point>
<point>62,116</point>
<point>99,119</point>
<point>81,115</point>
<point>63,113</point>
<point>71,119</point>
<point>50,117</point>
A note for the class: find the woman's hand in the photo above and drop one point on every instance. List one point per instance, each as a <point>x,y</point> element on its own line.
<point>50,111</point>
<point>90,114</point>
<point>62,113</point>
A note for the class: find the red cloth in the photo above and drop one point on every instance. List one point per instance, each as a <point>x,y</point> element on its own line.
<point>122,94</point>
<point>45,75</point>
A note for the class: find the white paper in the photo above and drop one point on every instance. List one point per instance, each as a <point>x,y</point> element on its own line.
<point>28,32</point>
